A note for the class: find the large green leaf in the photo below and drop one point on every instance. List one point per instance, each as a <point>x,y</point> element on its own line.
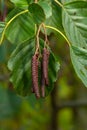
<point>21,28</point>
<point>75,22</point>
<point>20,65</point>
<point>79,60</point>
<point>37,13</point>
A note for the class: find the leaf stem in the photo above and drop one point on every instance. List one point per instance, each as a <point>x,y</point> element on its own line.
<point>59,3</point>
<point>46,39</point>
<point>55,29</point>
<point>37,39</point>
<point>8,23</point>
<point>35,1</point>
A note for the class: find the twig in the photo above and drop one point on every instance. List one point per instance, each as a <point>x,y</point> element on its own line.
<point>37,39</point>
<point>4,77</point>
<point>46,39</point>
<point>72,104</point>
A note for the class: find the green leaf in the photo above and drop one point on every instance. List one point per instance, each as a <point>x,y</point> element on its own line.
<point>79,61</point>
<point>75,22</point>
<point>20,3</point>
<point>55,20</point>
<point>37,13</point>
<point>21,28</point>
<point>20,65</point>
<point>3,52</point>
<point>47,8</point>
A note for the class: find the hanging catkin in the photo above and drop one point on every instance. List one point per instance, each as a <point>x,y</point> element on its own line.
<point>45,61</point>
<point>42,83</point>
<point>47,79</point>
<point>43,87</point>
<point>44,76</point>
<point>35,87</point>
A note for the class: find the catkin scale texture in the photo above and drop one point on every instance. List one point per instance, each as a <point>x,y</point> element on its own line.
<point>42,83</point>
<point>47,80</point>
<point>44,76</point>
<point>35,87</point>
<point>43,88</point>
<point>45,61</point>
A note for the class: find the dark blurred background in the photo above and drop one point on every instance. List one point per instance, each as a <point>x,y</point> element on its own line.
<point>64,109</point>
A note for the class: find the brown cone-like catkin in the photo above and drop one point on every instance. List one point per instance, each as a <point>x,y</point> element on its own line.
<point>47,79</point>
<point>45,61</point>
<point>35,87</point>
<point>42,83</point>
<point>43,87</point>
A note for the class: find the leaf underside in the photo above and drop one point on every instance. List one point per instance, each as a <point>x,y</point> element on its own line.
<point>79,61</point>
<point>75,22</point>
<point>74,18</point>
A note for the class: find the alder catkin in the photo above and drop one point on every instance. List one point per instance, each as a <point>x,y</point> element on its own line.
<point>47,79</point>
<point>43,88</point>
<point>35,87</point>
<point>42,84</point>
<point>44,74</point>
<point>45,61</point>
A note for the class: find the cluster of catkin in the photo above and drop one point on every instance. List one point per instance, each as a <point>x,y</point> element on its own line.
<point>40,91</point>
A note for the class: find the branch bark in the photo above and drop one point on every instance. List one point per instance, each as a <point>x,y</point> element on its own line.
<point>54,109</point>
<point>4,77</point>
<point>72,104</point>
